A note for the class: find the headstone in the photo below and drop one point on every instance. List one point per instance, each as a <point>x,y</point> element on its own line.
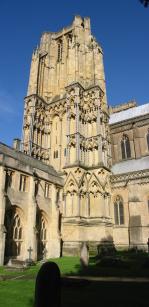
<point>45,251</point>
<point>15,264</point>
<point>84,254</point>
<point>148,245</point>
<point>48,286</point>
<point>29,261</point>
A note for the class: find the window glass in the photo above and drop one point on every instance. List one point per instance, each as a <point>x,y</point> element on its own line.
<point>119,211</point>
<point>125,147</point>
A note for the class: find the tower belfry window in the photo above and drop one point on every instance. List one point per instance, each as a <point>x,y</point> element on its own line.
<point>60,50</point>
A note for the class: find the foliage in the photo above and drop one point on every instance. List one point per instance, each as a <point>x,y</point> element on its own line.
<point>145,2</point>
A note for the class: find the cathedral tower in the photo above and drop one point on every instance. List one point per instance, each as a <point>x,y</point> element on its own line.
<point>66,126</point>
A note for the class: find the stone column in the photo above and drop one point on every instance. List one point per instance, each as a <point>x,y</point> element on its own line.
<point>31,234</point>
<point>68,133</point>
<point>64,211</point>
<point>54,238</point>
<point>88,203</point>
<point>100,153</point>
<point>77,125</point>
<point>49,141</point>
<point>99,137</point>
<point>60,145</point>
<point>2,213</point>
<point>79,196</point>
<point>32,114</point>
<point>77,134</point>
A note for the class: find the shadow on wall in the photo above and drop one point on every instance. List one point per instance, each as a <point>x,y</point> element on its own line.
<point>135,230</point>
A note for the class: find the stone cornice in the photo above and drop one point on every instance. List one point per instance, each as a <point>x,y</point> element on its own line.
<point>80,164</point>
<point>122,180</point>
<point>88,222</point>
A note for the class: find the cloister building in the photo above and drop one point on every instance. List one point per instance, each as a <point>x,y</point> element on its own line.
<point>81,171</point>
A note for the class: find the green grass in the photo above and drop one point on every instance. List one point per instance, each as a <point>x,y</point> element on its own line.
<point>17,293</point>
<point>20,293</point>
<point>67,266</point>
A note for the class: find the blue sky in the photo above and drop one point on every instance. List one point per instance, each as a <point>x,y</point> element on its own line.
<point>121,27</point>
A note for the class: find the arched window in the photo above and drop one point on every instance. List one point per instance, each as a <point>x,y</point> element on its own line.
<point>14,235</point>
<point>60,50</point>
<point>147,138</point>
<point>119,211</point>
<point>41,226</point>
<point>125,147</point>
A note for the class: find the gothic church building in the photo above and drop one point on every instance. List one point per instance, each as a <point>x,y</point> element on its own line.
<point>81,170</point>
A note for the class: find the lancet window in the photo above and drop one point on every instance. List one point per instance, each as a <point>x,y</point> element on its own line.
<point>119,211</point>
<point>125,147</point>
<point>60,50</point>
<point>14,235</point>
<point>55,154</point>
<point>8,182</point>
<point>47,190</point>
<point>41,234</point>
<point>23,183</point>
<point>147,138</point>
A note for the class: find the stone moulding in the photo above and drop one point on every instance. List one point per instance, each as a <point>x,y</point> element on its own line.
<point>89,222</point>
<point>123,180</point>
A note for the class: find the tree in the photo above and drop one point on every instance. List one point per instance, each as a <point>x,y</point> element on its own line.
<point>145,2</point>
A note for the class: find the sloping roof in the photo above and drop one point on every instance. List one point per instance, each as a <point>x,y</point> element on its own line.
<point>128,114</point>
<point>30,161</point>
<point>131,165</point>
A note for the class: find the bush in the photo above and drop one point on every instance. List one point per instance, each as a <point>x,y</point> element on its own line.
<point>146,263</point>
<point>112,262</point>
<point>106,250</point>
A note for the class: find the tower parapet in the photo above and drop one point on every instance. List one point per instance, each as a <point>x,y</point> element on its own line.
<point>70,55</point>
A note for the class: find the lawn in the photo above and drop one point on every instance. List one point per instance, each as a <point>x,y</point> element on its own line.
<point>20,292</point>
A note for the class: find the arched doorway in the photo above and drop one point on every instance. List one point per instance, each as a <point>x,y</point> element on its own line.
<point>14,233</point>
<point>41,225</point>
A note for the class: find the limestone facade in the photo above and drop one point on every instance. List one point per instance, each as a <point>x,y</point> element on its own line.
<point>29,207</point>
<point>91,160</point>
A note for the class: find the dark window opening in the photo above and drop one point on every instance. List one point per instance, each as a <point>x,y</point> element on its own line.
<point>60,51</point>
<point>119,211</point>
<point>55,154</point>
<point>22,186</point>
<point>125,147</point>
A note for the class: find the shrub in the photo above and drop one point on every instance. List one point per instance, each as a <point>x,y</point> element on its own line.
<point>112,262</point>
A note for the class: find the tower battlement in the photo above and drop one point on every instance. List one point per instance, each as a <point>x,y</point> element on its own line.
<point>69,55</point>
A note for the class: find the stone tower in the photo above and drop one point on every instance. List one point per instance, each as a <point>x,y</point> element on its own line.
<point>66,126</point>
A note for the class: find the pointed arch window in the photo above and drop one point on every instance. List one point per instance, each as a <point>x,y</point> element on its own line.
<point>60,50</point>
<point>14,236</point>
<point>147,138</point>
<point>55,154</point>
<point>119,211</point>
<point>41,225</point>
<point>125,147</point>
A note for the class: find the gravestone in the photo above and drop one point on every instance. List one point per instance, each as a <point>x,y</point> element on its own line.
<point>84,255</point>
<point>29,261</point>
<point>16,265</point>
<point>48,286</point>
